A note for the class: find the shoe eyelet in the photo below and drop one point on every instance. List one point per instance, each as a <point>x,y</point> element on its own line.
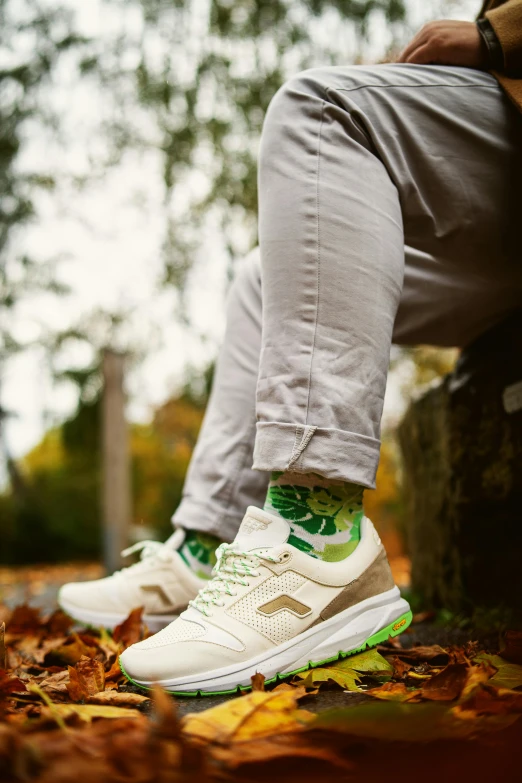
<point>285,556</point>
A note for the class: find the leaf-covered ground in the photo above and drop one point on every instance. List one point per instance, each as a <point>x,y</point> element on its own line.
<point>402,713</point>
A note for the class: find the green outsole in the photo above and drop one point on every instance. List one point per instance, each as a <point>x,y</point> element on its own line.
<point>393,629</point>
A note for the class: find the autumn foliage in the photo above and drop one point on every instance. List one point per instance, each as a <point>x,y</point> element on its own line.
<point>402,713</point>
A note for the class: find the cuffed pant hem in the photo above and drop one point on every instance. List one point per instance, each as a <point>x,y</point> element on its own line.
<point>332,453</point>
<point>192,515</point>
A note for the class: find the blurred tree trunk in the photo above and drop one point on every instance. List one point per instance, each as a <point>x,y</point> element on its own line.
<point>462,449</point>
<point>115,460</point>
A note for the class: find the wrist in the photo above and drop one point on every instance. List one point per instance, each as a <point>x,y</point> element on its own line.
<point>494,56</point>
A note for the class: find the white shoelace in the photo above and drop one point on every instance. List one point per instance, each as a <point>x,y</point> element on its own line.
<point>232,566</point>
<point>153,551</point>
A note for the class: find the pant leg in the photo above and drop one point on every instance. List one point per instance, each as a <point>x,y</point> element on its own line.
<point>220,482</point>
<point>355,163</point>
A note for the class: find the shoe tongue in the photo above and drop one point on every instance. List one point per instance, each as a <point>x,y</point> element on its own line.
<point>260,529</point>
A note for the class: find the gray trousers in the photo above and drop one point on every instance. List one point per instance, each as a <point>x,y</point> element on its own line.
<point>388,198</point>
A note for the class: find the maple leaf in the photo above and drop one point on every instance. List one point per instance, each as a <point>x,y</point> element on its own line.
<point>346,672</point>
<point>85,679</point>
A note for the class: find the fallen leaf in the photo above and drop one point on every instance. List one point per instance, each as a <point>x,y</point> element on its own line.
<point>486,699</point>
<point>114,673</point>
<point>341,673</point>
<point>130,630</point>
<point>447,685</point>
<point>400,668</point>
<point>432,652</point>
<point>117,699</point>
<point>394,691</point>
<point>345,672</point>
<point>85,679</point>
<point>477,675</point>
<point>10,684</point>
<point>512,650</point>
<point>58,624</point>
<point>88,712</point>
<point>56,684</point>
<point>370,662</point>
<point>24,620</point>
<point>258,682</point>
<point>70,652</point>
<point>256,714</point>
<point>508,675</point>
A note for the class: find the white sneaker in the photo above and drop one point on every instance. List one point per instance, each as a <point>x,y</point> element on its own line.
<point>161,582</point>
<point>272,609</point>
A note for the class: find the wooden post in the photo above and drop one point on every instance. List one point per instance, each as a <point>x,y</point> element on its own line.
<point>116,500</point>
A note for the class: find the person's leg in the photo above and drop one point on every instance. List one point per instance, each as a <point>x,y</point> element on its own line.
<point>220,483</point>
<point>348,156</point>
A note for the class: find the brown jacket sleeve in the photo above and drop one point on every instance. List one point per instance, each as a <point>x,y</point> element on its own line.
<point>506,21</point>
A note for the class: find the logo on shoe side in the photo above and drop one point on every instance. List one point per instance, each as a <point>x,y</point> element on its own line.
<point>284,602</point>
<point>399,624</point>
<point>160,593</point>
<point>251,525</point>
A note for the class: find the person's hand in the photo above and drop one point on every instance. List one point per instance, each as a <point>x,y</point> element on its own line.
<point>446,43</point>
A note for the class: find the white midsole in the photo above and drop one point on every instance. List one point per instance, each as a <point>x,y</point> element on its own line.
<point>344,632</point>
<point>110,620</point>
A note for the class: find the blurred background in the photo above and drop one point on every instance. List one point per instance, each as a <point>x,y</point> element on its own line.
<point>128,142</point>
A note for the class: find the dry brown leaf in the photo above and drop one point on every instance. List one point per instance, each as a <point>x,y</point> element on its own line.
<point>421,653</point>
<point>56,685</point>
<point>24,620</point>
<point>130,630</point>
<point>71,651</point>
<point>258,682</point>
<point>255,714</point>
<point>114,673</point>
<point>447,685</point>
<point>486,699</point>
<point>394,691</point>
<point>10,684</point>
<point>58,624</point>
<point>85,679</point>
<point>477,675</point>
<point>400,668</point>
<point>117,699</point>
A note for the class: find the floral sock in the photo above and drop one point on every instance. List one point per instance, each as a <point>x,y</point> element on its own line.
<point>199,552</point>
<point>324,515</point>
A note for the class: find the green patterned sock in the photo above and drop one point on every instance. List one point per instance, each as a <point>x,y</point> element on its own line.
<point>199,552</point>
<point>324,516</point>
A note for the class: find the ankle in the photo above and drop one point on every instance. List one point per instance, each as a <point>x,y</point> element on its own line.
<point>324,515</point>
<point>199,552</point>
